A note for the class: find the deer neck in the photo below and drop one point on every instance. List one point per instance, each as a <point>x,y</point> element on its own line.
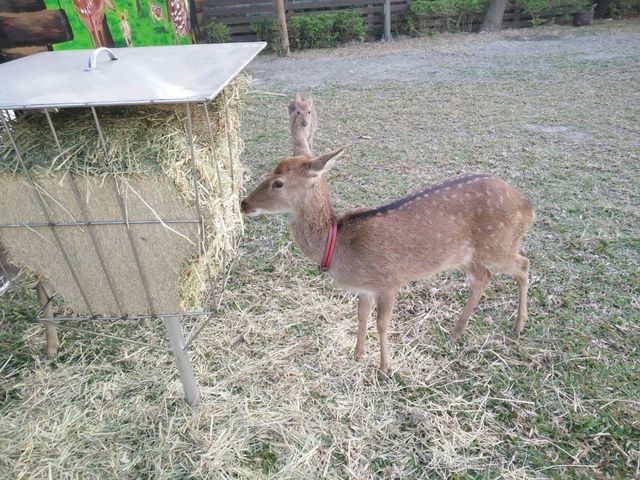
<point>300,142</point>
<point>311,219</point>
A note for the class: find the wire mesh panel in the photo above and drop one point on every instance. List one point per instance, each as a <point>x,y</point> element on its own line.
<point>124,194</point>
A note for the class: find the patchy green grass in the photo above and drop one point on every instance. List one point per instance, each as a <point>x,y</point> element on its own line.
<point>282,397</point>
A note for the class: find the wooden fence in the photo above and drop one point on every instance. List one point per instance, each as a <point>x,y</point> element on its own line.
<point>26,27</point>
<point>239,15</point>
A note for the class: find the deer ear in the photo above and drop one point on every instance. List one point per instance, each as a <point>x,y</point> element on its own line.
<point>298,98</point>
<point>322,164</point>
<point>292,106</point>
<point>310,101</point>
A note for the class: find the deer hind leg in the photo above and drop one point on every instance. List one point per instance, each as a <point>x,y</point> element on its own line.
<point>51,334</point>
<point>518,267</point>
<point>385,307</point>
<point>365,305</point>
<point>480,278</point>
<point>520,272</point>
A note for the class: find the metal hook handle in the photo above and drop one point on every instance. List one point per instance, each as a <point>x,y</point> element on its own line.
<point>93,59</point>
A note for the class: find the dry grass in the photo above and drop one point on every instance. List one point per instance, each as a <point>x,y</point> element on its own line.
<point>144,142</point>
<point>282,397</point>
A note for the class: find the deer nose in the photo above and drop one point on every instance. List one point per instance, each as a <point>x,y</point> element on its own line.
<point>243,206</point>
<point>304,123</point>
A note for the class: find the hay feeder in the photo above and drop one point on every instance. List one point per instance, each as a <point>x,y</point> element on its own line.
<point>120,181</point>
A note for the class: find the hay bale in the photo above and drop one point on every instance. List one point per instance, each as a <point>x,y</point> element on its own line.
<point>150,165</point>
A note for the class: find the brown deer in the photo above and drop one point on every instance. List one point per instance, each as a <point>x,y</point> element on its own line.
<point>474,221</point>
<point>44,291</point>
<point>303,122</point>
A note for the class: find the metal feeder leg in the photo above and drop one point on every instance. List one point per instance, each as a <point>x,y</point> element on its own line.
<point>185,370</point>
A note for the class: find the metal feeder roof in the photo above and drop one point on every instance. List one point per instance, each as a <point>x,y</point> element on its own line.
<point>123,76</point>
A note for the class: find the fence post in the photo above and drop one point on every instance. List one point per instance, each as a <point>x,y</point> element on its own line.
<point>387,21</point>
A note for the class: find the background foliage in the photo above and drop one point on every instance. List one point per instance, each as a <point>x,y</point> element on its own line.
<point>314,31</point>
<point>217,33</point>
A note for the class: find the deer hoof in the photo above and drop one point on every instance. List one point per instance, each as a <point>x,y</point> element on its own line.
<point>384,369</point>
<point>454,337</point>
<point>357,355</point>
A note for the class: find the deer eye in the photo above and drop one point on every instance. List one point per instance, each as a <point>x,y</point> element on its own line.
<point>277,184</point>
<point>309,111</point>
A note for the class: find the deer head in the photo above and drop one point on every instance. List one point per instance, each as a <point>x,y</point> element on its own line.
<point>300,111</point>
<point>289,186</point>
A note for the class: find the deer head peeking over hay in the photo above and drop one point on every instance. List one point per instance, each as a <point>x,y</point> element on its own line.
<point>303,122</point>
<point>475,222</point>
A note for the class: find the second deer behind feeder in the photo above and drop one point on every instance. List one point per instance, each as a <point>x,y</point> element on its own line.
<point>303,122</point>
<point>475,222</point>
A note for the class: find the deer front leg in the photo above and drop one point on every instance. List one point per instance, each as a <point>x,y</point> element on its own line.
<point>385,307</point>
<point>365,304</point>
<point>51,334</point>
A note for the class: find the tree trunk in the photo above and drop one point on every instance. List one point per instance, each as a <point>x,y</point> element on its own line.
<point>603,9</point>
<point>282,20</point>
<point>493,19</point>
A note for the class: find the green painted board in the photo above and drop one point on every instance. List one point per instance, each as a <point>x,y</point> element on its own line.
<point>146,29</point>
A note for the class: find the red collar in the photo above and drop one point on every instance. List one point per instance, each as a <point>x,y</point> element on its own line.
<point>330,247</point>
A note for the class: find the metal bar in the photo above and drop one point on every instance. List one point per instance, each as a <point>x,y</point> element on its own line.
<point>47,217</point>
<point>231,161</point>
<point>216,157</point>
<point>5,280</point>
<point>134,249</point>
<point>10,285</point>
<point>123,212</point>
<point>107,335</point>
<point>216,160</point>
<point>83,212</point>
<point>193,335</point>
<point>194,174</point>
<point>4,271</point>
<point>124,317</point>
<point>185,370</point>
<point>5,284</point>
<point>98,223</point>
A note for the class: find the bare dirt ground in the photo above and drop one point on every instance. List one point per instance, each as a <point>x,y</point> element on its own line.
<point>444,58</point>
<point>555,111</point>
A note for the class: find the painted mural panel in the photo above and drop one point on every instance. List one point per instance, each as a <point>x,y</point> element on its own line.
<point>126,23</point>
